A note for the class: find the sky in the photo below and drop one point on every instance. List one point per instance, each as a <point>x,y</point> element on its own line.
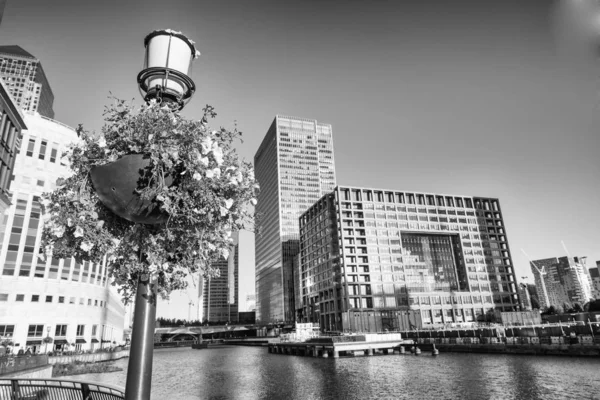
<point>477,98</point>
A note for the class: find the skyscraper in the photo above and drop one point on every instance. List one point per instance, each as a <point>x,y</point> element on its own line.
<point>220,296</point>
<point>295,167</point>
<point>383,259</point>
<point>562,280</point>
<point>26,80</point>
<point>2,5</point>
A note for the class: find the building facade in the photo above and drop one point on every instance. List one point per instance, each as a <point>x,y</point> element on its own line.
<point>595,277</point>
<point>25,78</point>
<point>69,302</point>
<point>11,125</point>
<point>295,167</point>
<point>373,259</point>
<point>562,281</point>
<point>220,295</point>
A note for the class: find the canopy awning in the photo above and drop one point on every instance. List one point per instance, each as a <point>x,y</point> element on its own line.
<point>60,341</point>
<point>33,342</point>
<point>105,341</point>
<point>80,341</point>
<point>94,340</point>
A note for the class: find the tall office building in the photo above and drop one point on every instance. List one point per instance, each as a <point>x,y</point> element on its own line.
<point>220,295</point>
<point>11,124</point>
<point>382,259</point>
<point>71,302</point>
<point>562,280</point>
<point>26,80</point>
<point>295,167</point>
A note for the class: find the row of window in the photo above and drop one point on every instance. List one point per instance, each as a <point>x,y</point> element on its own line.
<point>43,149</point>
<point>36,298</point>
<point>38,330</point>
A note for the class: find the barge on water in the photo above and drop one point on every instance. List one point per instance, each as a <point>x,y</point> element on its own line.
<point>340,346</point>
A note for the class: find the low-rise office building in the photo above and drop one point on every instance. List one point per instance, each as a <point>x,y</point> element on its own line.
<point>373,259</point>
<point>71,303</point>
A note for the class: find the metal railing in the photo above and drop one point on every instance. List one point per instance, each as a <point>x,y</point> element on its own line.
<point>54,389</point>
<point>11,363</point>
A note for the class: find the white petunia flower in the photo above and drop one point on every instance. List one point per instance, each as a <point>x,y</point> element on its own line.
<point>223,210</point>
<point>204,161</point>
<point>69,222</point>
<point>78,232</point>
<point>207,145</point>
<point>217,153</point>
<point>213,173</point>
<point>102,142</point>
<point>197,176</point>
<point>59,231</point>
<point>225,253</point>
<point>228,203</point>
<point>253,201</point>
<point>86,246</point>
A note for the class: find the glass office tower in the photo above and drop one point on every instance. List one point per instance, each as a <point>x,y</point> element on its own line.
<point>295,167</point>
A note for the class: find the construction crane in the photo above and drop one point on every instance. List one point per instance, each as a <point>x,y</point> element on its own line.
<point>542,272</point>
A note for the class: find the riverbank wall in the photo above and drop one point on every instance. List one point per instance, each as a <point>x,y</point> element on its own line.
<point>89,358</point>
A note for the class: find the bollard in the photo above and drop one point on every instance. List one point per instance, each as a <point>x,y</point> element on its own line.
<point>369,352</point>
<point>336,354</point>
<point>402,350</point>
<point>417,351</point>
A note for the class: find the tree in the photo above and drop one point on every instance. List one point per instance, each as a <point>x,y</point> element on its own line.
<point>192,177</point>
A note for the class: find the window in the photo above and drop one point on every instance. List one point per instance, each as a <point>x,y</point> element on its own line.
<point>6,330</point>
<point>30,146</point>
<point>80,330</point>
<point>3,296</point>
<point>61,330</point>
<point>40,183</point>
<point>96,303</point>
<point>61,299</point>
<point>89,302</point>
<point>35,330</point>
<point>72,300</point>
<point>35,298</point>
<point>48,299</point>
<point>94,330</point>
<point>43,149</point>
<point>20,297</point>
<point>53,154</point>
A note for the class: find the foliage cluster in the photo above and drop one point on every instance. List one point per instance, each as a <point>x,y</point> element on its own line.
<point>209,198</point>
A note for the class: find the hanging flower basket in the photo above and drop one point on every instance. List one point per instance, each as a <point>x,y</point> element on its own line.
<point>150,168</point>
<point>117,185</point>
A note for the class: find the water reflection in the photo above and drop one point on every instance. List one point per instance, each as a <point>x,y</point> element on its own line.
<point>252,373</point>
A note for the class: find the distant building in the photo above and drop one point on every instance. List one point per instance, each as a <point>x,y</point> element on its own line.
<point>251,302</point>
<point>295,167</point>
<point>25,78</point>
<point>562,281</point>
<point>524,296</point>
<point>595,278</point>
<point>70,302</point>
<point>220,298</point>
<point>373,259</point>
<point>12,123</point>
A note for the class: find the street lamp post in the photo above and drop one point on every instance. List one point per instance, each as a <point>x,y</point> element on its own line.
<point>168,58</point>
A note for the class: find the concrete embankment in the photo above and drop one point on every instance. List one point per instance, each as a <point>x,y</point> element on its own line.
<point>88,358</point>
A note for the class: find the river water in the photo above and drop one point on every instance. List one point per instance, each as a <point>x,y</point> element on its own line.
<point>235,372</point>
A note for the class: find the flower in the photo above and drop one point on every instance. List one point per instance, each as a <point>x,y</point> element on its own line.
<point>253,201</point>
<point>197,176</point>
<point>102,142</point>
<point>228,203</point>
<point>213,173</point>
<point>206,144</point>
<point>204,161</point>
<point>59,231</point>
<point>223,210</point>
<point>86,246</point>
<point>78,232</point>
<point>217,153</point>
<point>69,222</point>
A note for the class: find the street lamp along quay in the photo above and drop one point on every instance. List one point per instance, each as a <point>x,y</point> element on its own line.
<point>165,79</point>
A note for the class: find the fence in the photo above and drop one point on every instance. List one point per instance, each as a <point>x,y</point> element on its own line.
<point>53,389</point>
<point>10,364</point>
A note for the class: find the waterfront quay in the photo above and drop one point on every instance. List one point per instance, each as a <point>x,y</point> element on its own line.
<point>341,346</point>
